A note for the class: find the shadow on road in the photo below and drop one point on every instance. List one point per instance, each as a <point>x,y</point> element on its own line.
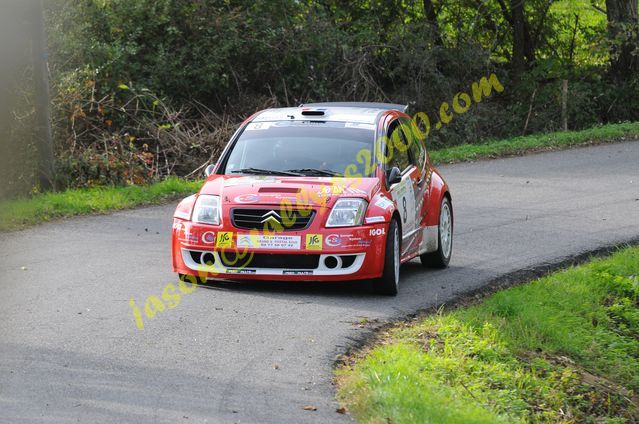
<point>355,289</point>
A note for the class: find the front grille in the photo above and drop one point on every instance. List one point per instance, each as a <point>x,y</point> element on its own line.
<point>268,260</point>
<point>271,219</point>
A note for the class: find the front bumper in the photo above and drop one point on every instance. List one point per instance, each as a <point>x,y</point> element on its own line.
<point>225,252</point>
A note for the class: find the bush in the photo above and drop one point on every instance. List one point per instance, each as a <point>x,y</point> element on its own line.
<point>149,88</point>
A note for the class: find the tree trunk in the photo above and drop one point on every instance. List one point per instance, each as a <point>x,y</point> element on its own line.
<point>41,98</point>
<point>431,17</point>
<point>518,61</point>
<point>623,32</point>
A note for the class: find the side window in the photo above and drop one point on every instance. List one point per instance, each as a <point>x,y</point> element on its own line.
<point>400,159</point>
<point>418,153</point>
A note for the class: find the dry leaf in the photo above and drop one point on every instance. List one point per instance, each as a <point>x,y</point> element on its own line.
<point>310,408</point>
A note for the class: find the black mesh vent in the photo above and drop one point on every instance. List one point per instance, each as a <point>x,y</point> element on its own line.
<point>276,219</point>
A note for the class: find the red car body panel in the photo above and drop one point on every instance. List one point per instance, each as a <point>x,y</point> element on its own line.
<point>227,252</point>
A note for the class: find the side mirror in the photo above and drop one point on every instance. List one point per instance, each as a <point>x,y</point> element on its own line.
<point>209,169</point>
<point>394,176</point>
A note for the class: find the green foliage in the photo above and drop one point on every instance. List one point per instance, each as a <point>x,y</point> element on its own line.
<point>123,68</point>
<point>99,171</point>
<point>22,213</point>
<point>212,51</point>
<point>524,354</point>
<point>537,142</point>
<point>128,135</point>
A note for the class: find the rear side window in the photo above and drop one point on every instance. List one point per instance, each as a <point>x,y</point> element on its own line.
<point>417,152</point>
<point>400,159</point>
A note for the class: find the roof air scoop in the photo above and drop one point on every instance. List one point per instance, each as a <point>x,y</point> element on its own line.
<point>313,112</point>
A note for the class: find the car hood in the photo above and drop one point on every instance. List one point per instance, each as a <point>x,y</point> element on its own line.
<point>272,190</point>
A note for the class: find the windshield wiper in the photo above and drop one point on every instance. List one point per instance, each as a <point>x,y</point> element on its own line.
<point>315,171</point>
<point>259,171</point>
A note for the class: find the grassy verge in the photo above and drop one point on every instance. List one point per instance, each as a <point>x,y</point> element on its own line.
<point>21,213</point>
<point>564,348</point>
<point>537,142</point>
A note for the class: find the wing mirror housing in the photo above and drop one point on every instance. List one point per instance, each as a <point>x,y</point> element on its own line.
<point>393,176</point>
<point>209,169</point>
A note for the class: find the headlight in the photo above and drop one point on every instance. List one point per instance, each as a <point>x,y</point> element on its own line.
<point>347,213</point>
<point>207,210</point>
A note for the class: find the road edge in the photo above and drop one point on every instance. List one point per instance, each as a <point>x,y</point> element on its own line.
<point>366,338</point>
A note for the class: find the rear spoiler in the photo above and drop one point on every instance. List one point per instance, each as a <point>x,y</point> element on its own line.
<point>368,105</point>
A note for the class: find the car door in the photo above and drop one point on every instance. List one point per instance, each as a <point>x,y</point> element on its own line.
<point>419,157</point>
<point>406,191</point>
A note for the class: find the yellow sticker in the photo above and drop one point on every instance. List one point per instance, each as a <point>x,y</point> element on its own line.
<point>224,239</point>
<point>313,241</point>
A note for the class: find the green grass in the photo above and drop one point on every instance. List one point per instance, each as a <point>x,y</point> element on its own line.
<point>537,142</point>
<point>564,348</point>
<point>22,213</point>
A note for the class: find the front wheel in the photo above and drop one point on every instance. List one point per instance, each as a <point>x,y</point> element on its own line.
<point>388,284</point>
<point>441,257</point>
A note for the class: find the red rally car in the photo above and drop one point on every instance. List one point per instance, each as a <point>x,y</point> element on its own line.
<point>322,192</point>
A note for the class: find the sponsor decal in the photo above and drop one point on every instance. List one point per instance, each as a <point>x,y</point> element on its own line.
<point>240,271</point>
<point>247,198</point>
<point>208,237</point>
<point>358,242</point>
<point>268,242</point>
<point>354,190</point>
<point>377,232</point>
<point>337,189</point>
<point>177,226</point>
<point>189,237</point>
<point>373,219</point>
<point>384,203</point>
<point>258,126</point>
<point>296,272</point>
<point>334,240</point>
<point>253,179</point>
<point>224,239</point>
<point>314,241</point>
<point>359,125</point>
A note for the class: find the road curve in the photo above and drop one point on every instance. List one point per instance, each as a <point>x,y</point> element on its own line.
<point>256,353</point>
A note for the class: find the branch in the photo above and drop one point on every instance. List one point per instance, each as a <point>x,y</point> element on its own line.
<point>599,9</point>
<point>504,10</point>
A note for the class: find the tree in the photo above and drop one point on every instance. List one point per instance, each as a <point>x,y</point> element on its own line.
<point>518,23</point>
<point>623,32</point>
<point>430,12</point>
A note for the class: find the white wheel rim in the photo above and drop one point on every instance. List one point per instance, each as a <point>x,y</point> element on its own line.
<point>445,230</point>
<point>396,255</point>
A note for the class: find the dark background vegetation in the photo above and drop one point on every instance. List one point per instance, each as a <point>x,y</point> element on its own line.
<point>142,89</point>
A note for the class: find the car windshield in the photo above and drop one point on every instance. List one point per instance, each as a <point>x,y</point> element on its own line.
<point>300,148</point>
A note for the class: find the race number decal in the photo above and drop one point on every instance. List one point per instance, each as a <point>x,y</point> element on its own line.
<point>404,197</point>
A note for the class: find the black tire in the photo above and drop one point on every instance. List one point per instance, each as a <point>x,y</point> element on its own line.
<point>441,257</point>
<point>388,284</point>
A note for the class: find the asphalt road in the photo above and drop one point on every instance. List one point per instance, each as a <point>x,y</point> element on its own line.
<point>70,350</point>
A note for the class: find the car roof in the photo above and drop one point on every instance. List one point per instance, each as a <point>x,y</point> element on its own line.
<point>365,113</point>
<point>367,105</point>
